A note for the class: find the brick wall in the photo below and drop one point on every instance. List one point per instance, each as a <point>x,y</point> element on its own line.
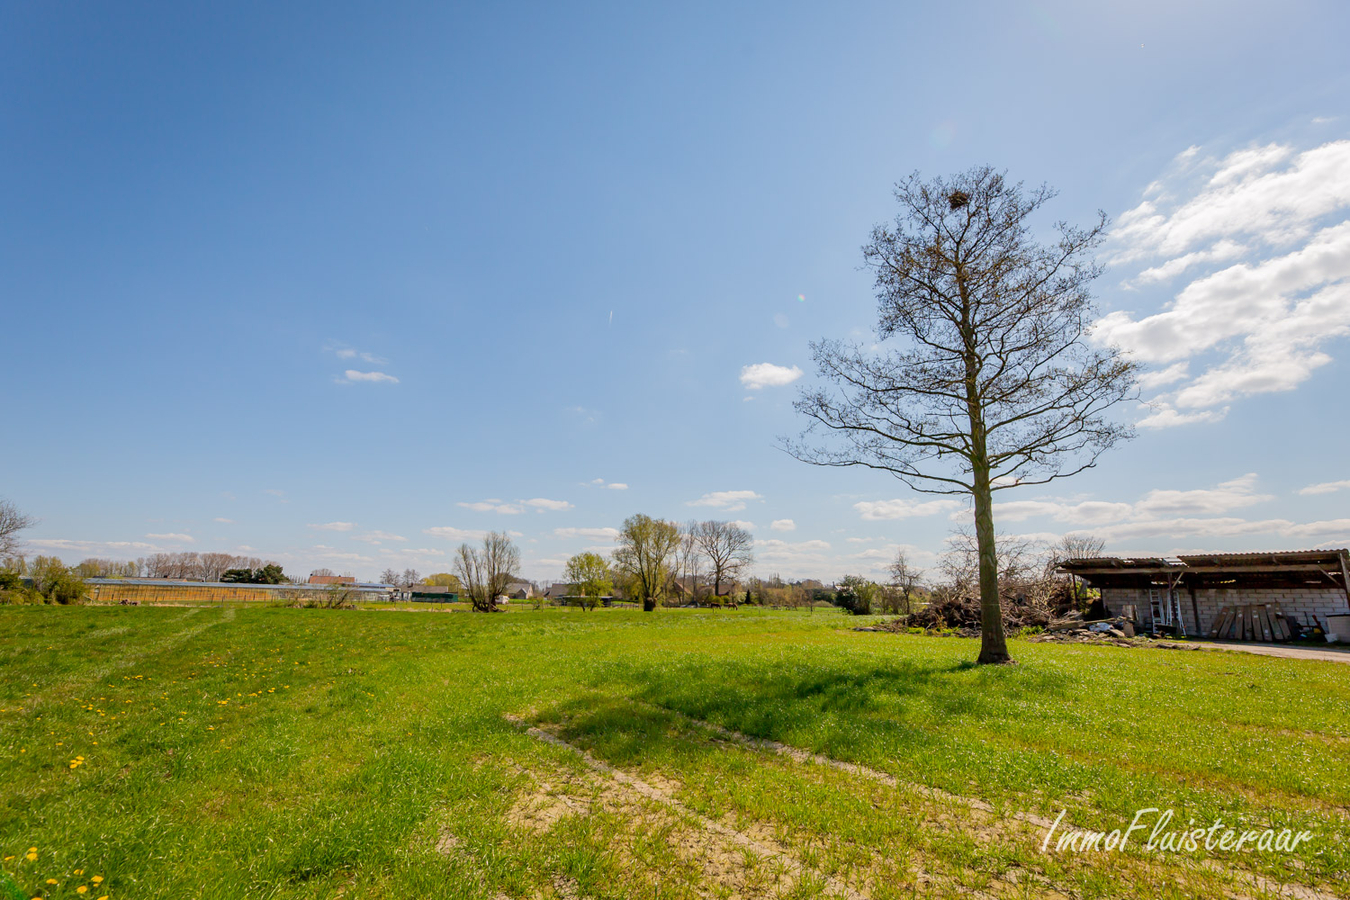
<point>1296,603</point>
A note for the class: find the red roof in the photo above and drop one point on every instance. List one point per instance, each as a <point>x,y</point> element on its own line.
<point>332,579</point>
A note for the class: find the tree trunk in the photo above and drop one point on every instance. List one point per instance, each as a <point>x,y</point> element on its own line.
<point>648,604</point>
<point>993,642</point>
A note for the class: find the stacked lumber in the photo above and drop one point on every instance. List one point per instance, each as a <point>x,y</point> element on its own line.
<point>1251,622</point>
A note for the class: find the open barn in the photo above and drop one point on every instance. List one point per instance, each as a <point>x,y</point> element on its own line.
<point>1209,594</point>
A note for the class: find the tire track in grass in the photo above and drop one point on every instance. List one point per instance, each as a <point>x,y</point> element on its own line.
<point>125,661</point>
<point>638,786</point>
<point>806,756</point>
<point>1260,884</point>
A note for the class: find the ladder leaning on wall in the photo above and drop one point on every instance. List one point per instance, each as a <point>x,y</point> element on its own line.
<point>1166,609</point>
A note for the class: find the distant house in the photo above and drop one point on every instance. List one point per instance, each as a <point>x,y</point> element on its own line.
<point>331,579</point>
<point>1199,594</point>
<point>559,591</point>
<point>519,590</point>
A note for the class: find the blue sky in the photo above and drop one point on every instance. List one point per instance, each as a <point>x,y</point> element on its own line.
<point>346,284</point>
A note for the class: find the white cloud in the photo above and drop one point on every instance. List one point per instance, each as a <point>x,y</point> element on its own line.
<point>607,485</point>
<point>1165,416</point>
<point>1092,512</point>
<point>772,550</point>
<point>325,553</point>
<point>333,526</point>
<point>342,351</point>
<point>223,520</point>
<point>1173,373</point>
<point>762,375</point>
<point>1173,515</point>
<point>377,537</point>
<point>730,501</point>
<point>497,506</point>
<point>353,376</point>
<point>542,504</point>
<point>878,510</point>
<point>1226,526</point>
<point>365,357</point>
<point>1227,496</point>
<point>1267,227</point>
<point>173,538</point>
<point>93,548</point>
<point>450,533</point>
<point>783,525</point>
<point>595,534</point>
<point>1157,508</point>
<point>741,523</point>
<point>1325,487</point>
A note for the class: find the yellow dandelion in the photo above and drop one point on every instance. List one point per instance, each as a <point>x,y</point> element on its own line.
<point>97,879</point>
<point>79,871</point>
<point>51,881</point>
<point>82,889</point>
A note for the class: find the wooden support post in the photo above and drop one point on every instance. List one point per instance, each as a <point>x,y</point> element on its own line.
<point>1345,579</point>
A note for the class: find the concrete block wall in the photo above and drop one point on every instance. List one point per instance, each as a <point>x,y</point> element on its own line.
<point>1296,603</point>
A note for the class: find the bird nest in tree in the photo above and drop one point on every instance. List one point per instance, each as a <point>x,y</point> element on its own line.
<point>958,199</point>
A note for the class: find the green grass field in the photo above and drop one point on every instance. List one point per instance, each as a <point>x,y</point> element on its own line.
<point>310,753</point>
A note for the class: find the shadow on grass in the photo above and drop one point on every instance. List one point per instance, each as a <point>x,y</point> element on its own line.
<point>835,705</point>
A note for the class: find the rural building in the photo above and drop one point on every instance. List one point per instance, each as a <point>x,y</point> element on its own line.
<point>519,590</point>
<point>1190,594</point>
<point>331,579</point>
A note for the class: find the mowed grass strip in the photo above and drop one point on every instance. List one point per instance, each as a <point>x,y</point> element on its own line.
<point>299,753</point>
<point>888,841</point>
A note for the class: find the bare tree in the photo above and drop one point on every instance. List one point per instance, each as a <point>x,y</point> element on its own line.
<point>1077,546</point>
<point>729,549</point>
<point>1073,546</point>
<point>904,579</point>
<point>107,568</point>
<point>389,577</point>
<point>213,565</point>
<point>993,383</point>
<point>646,547</point>
<point>688,564</point>
<point>486,572</point>
<point>12,521</point>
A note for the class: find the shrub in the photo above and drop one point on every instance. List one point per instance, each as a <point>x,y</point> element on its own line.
<point>856,594</point>
<point>57,583</point>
